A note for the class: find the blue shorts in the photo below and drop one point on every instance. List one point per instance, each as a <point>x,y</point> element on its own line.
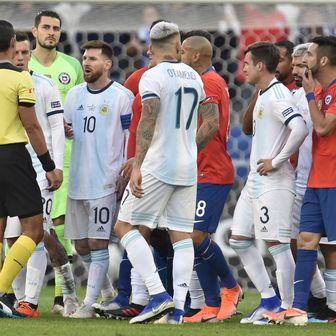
<point>209,205</point>
<point>318,213</point>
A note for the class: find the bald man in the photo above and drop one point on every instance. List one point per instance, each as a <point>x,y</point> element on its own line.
<point>215,179</point>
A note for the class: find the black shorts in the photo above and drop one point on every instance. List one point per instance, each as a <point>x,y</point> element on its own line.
<point>20,194</point>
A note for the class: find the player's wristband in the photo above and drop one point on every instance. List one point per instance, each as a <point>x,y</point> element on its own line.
<point>47,163</point>
<point>310,96</point>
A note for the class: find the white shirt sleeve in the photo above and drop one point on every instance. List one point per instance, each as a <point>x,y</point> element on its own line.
<point>150,85</point>
<point>68,107</point>
<point>54,111</point>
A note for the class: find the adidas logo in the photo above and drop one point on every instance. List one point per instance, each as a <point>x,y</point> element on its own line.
<point>264,229</point>
<point>80,108</point>
<point>100,229</point>
<point>184,285</point>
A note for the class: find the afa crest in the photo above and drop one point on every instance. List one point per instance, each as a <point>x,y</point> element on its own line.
<point>261,112</point>
<point>104,109</point>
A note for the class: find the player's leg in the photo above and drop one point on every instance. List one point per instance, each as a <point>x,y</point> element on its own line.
<point>242,242</point>
<point>146,211</point>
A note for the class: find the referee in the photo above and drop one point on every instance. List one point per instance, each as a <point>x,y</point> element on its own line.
<point>19,192</point>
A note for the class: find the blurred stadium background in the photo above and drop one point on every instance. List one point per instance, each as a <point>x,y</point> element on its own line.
<point>233,25</point>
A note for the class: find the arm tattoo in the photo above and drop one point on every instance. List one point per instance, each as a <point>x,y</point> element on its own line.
<point>210,124</point>
<point>146,127</point>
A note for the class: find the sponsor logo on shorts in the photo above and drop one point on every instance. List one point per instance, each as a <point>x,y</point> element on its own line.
<point>184,285</point>
<point>100,229</point>
<point>55,104</point>
<point>264,229</point>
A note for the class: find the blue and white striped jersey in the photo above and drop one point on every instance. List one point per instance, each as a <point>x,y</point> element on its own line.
<point>172,154</point>
<point>49,112</point>
<point>274,109</point>
<point>100,121</point>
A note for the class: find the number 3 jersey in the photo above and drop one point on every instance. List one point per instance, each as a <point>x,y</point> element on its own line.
<point>100,121</point>
<point>172,155</point>
<point>273,111</point>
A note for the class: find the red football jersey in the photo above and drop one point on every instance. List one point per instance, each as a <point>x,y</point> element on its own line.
<point>136,114</point>
<point>132,82</point>
<point>214,163</point>
<point>323,172</point>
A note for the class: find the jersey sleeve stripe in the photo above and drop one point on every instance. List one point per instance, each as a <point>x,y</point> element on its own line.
<point>125,121</point>
<point>149,96</point>
<point>26,104</point>
<point>291,117</point>
<point>54,112</point>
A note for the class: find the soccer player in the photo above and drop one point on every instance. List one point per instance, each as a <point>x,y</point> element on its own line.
<point>49,110</point>
<point>278,131</point>
<point>215,179</point>
<point>284,69</point>
<point>66,72</point>
<point>318,209</point>
<point>159,184</point>
<point>19,192</point>
<point>99,111</point>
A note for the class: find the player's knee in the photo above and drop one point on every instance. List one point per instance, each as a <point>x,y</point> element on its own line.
<point>198,237</point>
<point>237,245</point>
<point>121,228</point>
<point>308,241</point>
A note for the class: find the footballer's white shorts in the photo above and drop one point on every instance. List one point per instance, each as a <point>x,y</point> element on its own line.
<point>90,218</point>
<point>162,206</point>
<point>268,217</point>
<point>13,227</point>
<point>297,217</point>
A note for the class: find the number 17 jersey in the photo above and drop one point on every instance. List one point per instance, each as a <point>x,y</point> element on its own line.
<point>172,155</point>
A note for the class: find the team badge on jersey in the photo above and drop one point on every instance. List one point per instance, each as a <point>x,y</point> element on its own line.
<point>327,99</point>
<point>261,112</point>
<point>104,109</point>
<point>64,78</point>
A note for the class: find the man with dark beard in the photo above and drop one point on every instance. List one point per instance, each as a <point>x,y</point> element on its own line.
<point>66,72</point>
<point>99,112</point>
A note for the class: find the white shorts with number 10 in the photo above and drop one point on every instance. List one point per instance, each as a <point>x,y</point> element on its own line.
<point>268,217</point>
<point>162,206</point>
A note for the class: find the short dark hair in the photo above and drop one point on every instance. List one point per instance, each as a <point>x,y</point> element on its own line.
<point>288,45</point>
<point>326,47</point>
<point>47,13</point>
<point>198,32</point>
<point>264,52</point>
<point>21,36</point>
<point>6,34</point>
<point>98,44</point>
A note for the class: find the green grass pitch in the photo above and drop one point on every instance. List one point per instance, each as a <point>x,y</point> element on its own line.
<point>51,325</point>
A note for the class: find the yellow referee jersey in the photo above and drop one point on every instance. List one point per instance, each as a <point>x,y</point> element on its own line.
<point>16,89</point>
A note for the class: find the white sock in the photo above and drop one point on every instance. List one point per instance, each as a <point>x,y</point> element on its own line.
<point>36,268</point>
<point>285,265</point>
<point>254,266</point>
<point>107,291</point>
<point>139,290</point>
<point>183,264</point>
<point>197,300</point>
<point>67,280</point>
<point>97,272</point>
<point>318,286</point>
<point>330,281</point>
<point>19,285</point>
<point>141,257</point>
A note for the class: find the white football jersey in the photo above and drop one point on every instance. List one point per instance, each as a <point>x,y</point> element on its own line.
<point>100,121</point>
<point>172,155</point>
<point>273,110</point>
<point>305,151</point>
<point>48,104</point>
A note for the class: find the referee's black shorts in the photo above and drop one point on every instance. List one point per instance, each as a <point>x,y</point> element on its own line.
<point>20,194</point>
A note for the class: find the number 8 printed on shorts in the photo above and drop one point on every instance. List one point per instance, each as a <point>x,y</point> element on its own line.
<point>200,209</point>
